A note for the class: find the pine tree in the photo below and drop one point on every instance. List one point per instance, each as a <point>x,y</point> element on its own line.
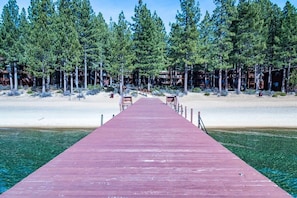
<point>148,46</point>
<point>86,33</point>
<point>160,46</point>
<point>124,55</point>
<point>206,38</point>
<point>40,40</point>
<point>98,48</point>
<point>9,40</point>
<point>288,42</point>
<point>186,27</point>
<point>67,48</point>
<point>272,16</point>
<point>223,17</point>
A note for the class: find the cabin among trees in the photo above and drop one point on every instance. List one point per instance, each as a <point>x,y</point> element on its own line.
<point>66,45</point>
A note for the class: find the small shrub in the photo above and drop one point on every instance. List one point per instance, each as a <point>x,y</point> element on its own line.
<point>67,93</point>
<point>134,94</point>
<point>224,93</point>
<point>59,91</point>
<point>93,92</point>
<point>196,90</point>
<point>157,93</point>
<point>250,92</point>
<point>30,92</point>
<point>109,89</point>
<point>14,93</point>
<point>282,94</point>
<point>45,95</point>
<point>207,94</point>
<point>279,94</point>
<point>274,95</point>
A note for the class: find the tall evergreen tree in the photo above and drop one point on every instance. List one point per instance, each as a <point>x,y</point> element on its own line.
<point>40,41</point>
<point>288,42</point>
<point>98,54</point>
<point>272,20</point>
<point>124,56</point>
<point>251,37</point>
<point>223,17</point>
<point>67,46</point>
<point>147,43</point>
<point>206,37</point>
<point>9,39</point>
<point>86,33</point>
<point>184,37</point>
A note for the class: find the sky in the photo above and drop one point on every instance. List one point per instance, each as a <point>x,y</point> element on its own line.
<point>166,9</point>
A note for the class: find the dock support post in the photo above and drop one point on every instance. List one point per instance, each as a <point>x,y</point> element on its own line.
<point>101,119</point>
<point>199,120</point>
<point>191,115</point>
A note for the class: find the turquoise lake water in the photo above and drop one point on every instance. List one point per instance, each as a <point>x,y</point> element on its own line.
<point>24,151</point>
<point>271,152</point>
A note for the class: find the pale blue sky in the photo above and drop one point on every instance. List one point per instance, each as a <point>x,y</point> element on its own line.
<point>166,9</point>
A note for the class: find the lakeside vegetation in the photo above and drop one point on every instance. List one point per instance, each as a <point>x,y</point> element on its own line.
<point>64,44</point>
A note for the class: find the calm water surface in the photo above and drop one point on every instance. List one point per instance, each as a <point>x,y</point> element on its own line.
<point>271,152</point>
<point>24,151</point>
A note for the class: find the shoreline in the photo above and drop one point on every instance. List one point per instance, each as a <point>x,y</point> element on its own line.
<point>230,112</point>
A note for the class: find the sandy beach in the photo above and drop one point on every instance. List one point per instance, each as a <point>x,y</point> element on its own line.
<point>233,111</point>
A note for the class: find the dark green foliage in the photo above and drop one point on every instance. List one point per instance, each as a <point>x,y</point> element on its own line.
<point>148,43</point>
<point>40,51</point>
<point>183,41</point>
<point>66,36</point>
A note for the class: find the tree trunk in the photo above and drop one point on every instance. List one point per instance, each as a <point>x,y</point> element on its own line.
<point>220,82</point>
<point>288,76</point>
<point>48,81</point>
<point>61,79</point>
<point>284,80</point>
<point>186,79</point>
<point>76,77</point>
<point>191,79</point>
<point>226,80</point>
<point>15,70</point>
<point>269,78</point>
<point>122,81</point>
<point>239,80</point>
<point>71,83</point>
<point>257,78</point>
<point>10,78</point>
<point>110,81</point>
<point>95,78</point>
<point>101,74</point>
<point>34,82</point>
<point>86,71</point>
<point>43,80</point>
<point>65,82</point>
<point>149,84</point>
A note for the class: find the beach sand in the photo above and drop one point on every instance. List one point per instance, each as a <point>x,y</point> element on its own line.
<point>232,111</point>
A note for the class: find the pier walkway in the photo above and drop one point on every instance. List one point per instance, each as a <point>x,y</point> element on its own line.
<point>148,150</point>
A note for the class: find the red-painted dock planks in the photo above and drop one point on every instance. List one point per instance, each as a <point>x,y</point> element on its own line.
<point>147,150</point>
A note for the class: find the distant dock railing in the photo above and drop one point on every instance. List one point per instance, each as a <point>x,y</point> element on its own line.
<point>183,111</point>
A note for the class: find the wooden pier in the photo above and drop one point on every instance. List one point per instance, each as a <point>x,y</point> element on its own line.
<point>148,150</point>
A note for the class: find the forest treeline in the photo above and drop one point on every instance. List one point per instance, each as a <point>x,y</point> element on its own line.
<point>65,42</point>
